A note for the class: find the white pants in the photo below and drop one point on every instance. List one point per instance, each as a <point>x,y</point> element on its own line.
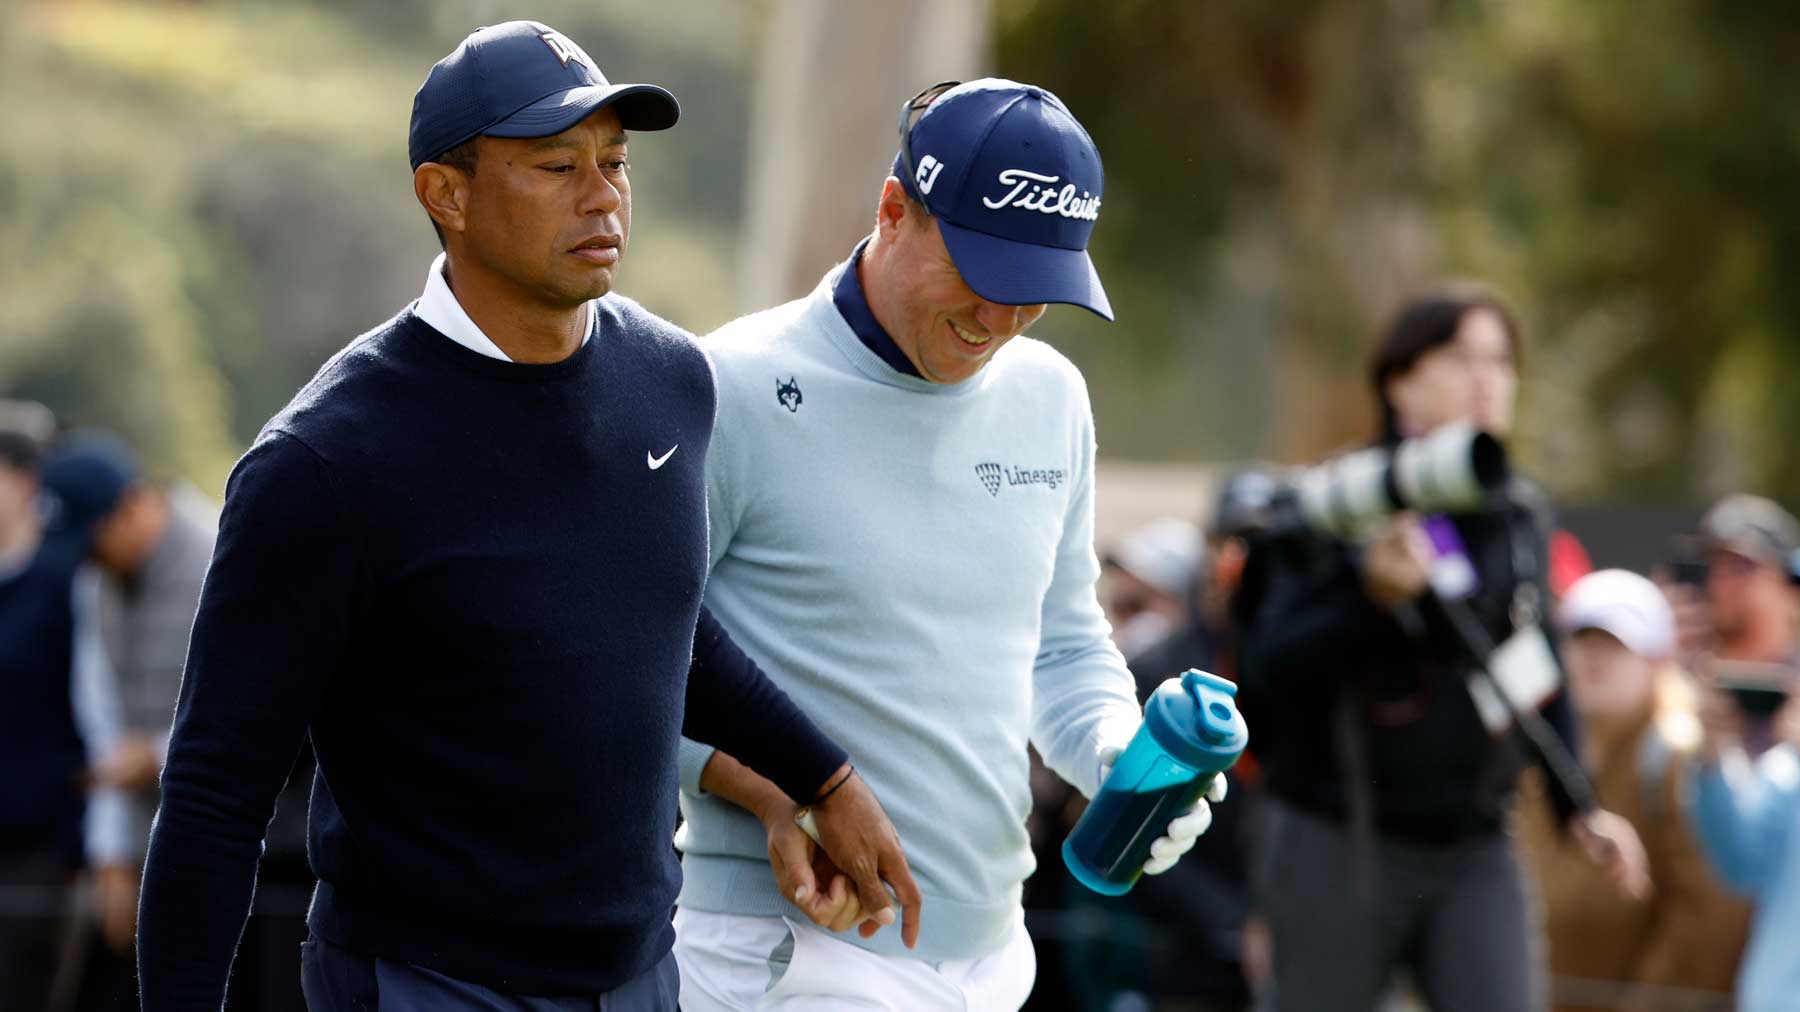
<point>732,963</point>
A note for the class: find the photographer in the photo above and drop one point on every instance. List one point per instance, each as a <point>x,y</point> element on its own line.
<point>1389,784</point>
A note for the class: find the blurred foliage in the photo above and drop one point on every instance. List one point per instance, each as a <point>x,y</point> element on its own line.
<point>1280,176</point>
<point>200,201</point>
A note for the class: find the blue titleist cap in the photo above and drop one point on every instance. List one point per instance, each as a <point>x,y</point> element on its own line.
<point>1015,185</point>
<point>522,79</point>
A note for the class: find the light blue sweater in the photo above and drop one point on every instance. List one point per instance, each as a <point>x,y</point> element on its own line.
<point>1748,820</point>
<point>914,564</point>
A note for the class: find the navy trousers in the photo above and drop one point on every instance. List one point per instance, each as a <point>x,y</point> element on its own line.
<point>339,980</point>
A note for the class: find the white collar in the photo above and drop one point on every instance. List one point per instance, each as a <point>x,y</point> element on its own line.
<point>440,310</point>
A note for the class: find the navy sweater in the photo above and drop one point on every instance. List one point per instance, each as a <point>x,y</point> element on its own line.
<point>466,579</point>
<point>41,756</point>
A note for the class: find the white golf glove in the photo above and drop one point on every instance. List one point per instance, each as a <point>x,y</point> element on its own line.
<point>1183,830</point>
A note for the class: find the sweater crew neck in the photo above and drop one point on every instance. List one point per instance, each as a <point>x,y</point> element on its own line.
<point>469,360</point>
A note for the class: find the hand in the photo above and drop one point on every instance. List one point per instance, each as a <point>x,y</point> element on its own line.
<point>1610,842</point>
<point>1396,567</point>
<point>1721,721</point>
<point>1257,955</point>
<point>800,866</point>
<point>857,835</point>
<point>116,901</point>
<point>1179,836</point>
<point>131,764</point>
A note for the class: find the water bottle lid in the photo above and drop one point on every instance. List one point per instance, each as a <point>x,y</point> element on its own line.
<point>1195,720</point>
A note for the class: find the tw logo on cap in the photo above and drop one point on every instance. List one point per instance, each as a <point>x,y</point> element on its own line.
<point>564,49</point>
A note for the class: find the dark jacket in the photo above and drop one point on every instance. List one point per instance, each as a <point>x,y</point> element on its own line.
<point>1371,708</point>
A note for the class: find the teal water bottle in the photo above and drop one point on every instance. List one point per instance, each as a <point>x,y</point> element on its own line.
<point>1191,733</point>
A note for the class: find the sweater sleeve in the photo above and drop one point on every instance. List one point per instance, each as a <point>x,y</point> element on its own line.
<point>733,706</point>
<point>722,514</point>
<point>99,715</point>
<point>272,625</point>
<point>1743,813</point>
<point>1083,696</point>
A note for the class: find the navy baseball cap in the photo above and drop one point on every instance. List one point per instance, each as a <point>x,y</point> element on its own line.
<point>83,483</point>
<point>1015,184</point>
<point>522,79</point>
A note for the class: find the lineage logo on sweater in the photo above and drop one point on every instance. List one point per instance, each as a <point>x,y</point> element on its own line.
<point>995,477</point>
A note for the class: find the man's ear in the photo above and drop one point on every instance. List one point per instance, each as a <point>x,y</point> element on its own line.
<point>894,208</point>
<point>443,190</point>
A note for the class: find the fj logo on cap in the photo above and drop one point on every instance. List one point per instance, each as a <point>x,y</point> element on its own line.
<point>564,49</point>
<point>1034,191</point>
<point>926,178</point>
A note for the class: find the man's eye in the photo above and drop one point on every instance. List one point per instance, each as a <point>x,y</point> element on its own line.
<point>559,168</point>
<point>617,165</point>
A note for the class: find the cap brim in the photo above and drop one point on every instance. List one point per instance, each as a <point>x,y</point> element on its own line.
<point>1015,273</point>
<point>1750,547</point>
<point>640,107</point>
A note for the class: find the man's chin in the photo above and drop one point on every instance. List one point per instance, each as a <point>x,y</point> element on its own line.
<point>584,290</point>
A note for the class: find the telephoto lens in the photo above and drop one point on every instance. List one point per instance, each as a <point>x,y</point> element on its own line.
<point>1452,470</point>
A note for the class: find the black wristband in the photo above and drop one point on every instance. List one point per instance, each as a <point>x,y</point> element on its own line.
<point>833,789</point>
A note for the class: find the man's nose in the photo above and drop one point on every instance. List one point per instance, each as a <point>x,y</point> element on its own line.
<point>602,195</point>
<point>1000,320</point>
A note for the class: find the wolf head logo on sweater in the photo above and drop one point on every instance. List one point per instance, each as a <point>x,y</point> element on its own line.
<point>788,393</point>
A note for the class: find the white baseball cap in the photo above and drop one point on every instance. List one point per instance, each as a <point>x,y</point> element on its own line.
<point>1622,603</point>
<point>1163,554</point>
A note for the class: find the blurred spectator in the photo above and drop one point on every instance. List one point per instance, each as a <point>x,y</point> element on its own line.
<point>1174,942</point>
<point>1199,908</point>
<point>1746,813</point>
<point>152,546</point>
<point>54,692</point>
<point>1148,582</point>
<point>1678,948</point>
<point>1735,604</point>
<point>1741,605</point>
<point>1388,792</point>
<point>1202,637</point>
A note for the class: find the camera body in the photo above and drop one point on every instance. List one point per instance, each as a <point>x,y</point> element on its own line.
<point>1760,690</point>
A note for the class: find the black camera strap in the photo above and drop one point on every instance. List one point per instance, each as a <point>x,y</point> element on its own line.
<point>1526,611</point>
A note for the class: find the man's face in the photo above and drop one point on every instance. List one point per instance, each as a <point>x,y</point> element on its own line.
<point>551,215</point>
<point>1469,378</point>
<point>1605,677</point>
<point>947,330</point>
<point>1739,586</point>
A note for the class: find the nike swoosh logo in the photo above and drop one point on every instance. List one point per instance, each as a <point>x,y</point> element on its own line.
<point>656,462</point>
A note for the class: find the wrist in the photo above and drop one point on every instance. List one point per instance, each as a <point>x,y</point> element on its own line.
<point>832,785</point>
<point>775,811</point>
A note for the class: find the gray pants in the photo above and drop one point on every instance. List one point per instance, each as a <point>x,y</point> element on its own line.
<point>1459,917</point>
<point>34,899</point>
